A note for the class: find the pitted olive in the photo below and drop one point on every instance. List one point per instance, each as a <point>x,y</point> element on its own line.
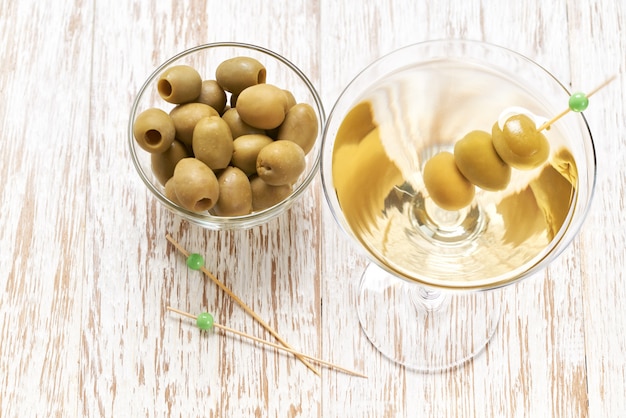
<point>262,106</point>
<point>212,142</point>
<point>447,187</point>
<point>281,162</point>
<point>163,164</point>
<point>238,73</point>
<point>300,126</point>
<point>186,116</point>
<point>479,162</point>
<point>154,130</point>
<point>179,84</point>
<point>213,95</point>
<point>519,144</point>
<point>290,100</point>
<point>246,148</point>
<point>265,196</point>
<point>170,192</point>
<point>195,185</point>
<point>237,126</point>
<point>235,193</point>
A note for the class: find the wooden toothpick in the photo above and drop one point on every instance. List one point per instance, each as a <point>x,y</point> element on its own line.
<point>582,106</point>
<point>209,324</point>
<point>243,305</point>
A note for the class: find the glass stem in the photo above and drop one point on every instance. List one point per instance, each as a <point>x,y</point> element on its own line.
<point>426,299</point>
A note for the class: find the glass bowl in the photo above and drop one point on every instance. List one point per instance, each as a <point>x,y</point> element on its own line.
<point>205,59</point>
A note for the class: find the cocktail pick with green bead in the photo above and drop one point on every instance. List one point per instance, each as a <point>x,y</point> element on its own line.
<point>205,322</point>
<point>196,262</point>
<point>577,103</point>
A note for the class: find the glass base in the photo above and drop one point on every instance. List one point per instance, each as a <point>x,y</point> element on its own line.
<point>421,329</point>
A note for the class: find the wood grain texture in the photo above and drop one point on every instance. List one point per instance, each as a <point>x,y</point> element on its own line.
<point>535,365</point>
<point>86,272</point>
<point>600,27</point>
<point>44,118</point>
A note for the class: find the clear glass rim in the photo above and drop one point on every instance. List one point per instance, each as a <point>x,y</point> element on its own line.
<point>561,241</point>
<point>233,222</point>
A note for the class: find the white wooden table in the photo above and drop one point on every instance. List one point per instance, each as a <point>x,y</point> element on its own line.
<point>86,272</point>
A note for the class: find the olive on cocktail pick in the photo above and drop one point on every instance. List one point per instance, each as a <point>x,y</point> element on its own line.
<point>478,161</point>
<point>447,186</point>
<point>519,143</point>
<point>485,160</point>
<point>522,146</point>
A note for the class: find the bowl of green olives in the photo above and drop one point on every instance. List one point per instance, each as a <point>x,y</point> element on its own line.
<point>226,135</point>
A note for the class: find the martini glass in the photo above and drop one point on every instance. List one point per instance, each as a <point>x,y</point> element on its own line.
<point>430,298</point>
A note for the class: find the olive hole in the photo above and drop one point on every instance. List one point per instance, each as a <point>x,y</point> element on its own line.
<point>261,76</point>
<point>203,204</point>
<point>165,88</point>
<point>152,137</point>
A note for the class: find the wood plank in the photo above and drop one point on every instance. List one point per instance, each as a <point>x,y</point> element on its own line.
<point>596,30</point>
<point>86,273</point>
<point>44,123</point>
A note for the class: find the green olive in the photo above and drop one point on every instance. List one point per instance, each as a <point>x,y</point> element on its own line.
<point>265,196</point>
<point>154,130</point>
<point>236,74</point>
<point>186,116</point>
<point>170,191</point>
<point>195,185</point>
<point>519,143</point>
<point>281,162</point>
<point>262,106</point>
<point>445,184</point>
<point>213,95</point>
<point>163,164</point>
<point>212,142</point>
<point>246,148</point>
<point>479,162</point>
<point>291,100</point>
<point>179,84</point>
<point>235,193</point>
<point>237,126</point>
<point>300,126</point>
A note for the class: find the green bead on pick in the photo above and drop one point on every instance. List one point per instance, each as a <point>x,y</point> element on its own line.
<point>204,321</point>
<point>195,261</point>
<point>578,102</point>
